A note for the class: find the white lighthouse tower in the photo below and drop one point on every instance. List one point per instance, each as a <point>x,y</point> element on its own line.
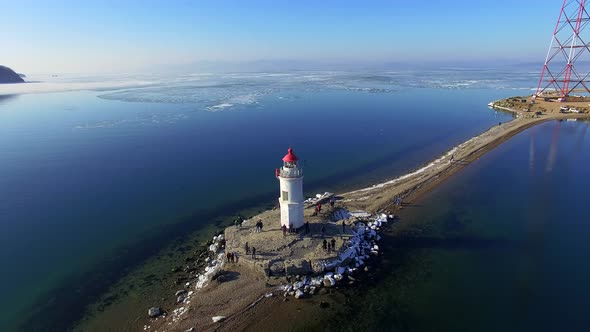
<point>291,200</point>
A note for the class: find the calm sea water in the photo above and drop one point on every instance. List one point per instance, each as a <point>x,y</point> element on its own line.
<point>92,181</point>
<point>502,246</point>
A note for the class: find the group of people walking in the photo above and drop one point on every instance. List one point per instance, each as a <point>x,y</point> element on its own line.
<point>329,246</point>
<point>238,222</point>
<point>289,229</point>
<point>259,226</point>
<point>248,250</point>
<point>318,206</point>
<point>232,257</point>
<point>293,230</point>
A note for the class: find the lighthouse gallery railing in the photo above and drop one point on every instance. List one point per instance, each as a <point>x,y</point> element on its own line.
<point>290,172</point>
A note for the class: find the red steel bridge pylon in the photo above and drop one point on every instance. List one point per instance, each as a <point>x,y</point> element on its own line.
<point>569,44</point>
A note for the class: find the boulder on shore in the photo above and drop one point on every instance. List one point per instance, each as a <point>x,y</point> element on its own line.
<point>154,312</point>
<point>298,266</point>
<point>299,294</point>
<point>277,267</point>
<point>329,282</point>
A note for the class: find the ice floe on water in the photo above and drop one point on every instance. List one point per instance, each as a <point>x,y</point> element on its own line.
<point>219,106</point>
<point>141,120</point>
<point>245,99</point>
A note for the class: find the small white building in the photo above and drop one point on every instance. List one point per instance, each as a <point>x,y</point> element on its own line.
<point>291,183</point>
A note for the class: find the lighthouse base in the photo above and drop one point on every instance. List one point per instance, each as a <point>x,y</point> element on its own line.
<point>292,214</point>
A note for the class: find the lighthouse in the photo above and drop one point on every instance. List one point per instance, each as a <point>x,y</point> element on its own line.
<point>291,185</point>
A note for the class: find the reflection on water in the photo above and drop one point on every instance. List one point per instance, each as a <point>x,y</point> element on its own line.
<point>532,151</point>
<point>501,246</point>
<point>553,148</point>
<point>6,98</point>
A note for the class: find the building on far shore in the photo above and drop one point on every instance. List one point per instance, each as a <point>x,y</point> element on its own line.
<point>291,185</point>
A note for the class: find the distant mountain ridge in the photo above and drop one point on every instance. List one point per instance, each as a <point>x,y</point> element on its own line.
<point>283,65</point>
<point>8,75</point>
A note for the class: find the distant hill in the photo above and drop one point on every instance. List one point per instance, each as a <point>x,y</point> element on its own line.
<point>8,75</point>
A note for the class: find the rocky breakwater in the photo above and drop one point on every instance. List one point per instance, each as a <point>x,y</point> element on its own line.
<point>350,260</point>
<point>298,264</point>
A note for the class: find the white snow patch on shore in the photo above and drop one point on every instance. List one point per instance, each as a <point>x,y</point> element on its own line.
<point>431,165</point>
<point>61,85</point>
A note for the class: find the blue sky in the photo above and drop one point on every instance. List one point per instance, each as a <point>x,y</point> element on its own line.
<point>113,36</point>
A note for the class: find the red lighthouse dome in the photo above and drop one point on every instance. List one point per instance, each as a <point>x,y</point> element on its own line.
<point>290,157</point>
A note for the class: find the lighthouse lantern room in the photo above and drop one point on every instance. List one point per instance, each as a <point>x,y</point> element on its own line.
<point>291,183</point>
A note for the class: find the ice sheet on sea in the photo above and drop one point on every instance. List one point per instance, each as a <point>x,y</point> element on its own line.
<point>216,89</point>
<point>48,84</point>
<point>212,97</point>
<point>221,92</point>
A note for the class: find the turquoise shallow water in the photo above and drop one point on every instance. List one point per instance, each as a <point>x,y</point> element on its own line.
<point>501,246</point>
<point>82,177</point>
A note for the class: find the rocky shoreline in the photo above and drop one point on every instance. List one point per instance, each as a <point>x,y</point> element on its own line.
<point>334,268</point>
